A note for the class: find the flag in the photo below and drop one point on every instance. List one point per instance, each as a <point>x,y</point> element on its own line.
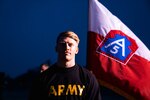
<point>117,57</point>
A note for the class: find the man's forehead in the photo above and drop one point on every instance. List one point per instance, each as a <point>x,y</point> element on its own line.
<point>68,39</point>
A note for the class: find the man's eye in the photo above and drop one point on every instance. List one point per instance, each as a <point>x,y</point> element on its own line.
<point>64,44</point>
<point>70,44</point>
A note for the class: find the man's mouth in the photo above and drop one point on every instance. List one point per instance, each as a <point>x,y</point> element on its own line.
<point>67,53</point>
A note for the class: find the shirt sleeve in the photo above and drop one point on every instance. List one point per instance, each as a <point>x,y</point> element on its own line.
<point>93,89</point>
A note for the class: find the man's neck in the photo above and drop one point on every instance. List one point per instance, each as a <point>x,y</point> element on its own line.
<point>66,64</point>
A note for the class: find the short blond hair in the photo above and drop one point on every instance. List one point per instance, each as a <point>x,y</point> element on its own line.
<point>69,34</point>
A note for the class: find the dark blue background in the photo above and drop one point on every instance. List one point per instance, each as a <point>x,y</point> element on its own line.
<point>28,28</point>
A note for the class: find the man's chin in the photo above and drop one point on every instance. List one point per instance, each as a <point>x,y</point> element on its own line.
<point>67,58</point>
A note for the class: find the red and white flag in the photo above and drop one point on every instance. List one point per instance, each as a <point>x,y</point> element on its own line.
<point>117,57</point>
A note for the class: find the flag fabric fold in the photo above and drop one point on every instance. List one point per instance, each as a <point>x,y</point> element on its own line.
<point>117,57</point>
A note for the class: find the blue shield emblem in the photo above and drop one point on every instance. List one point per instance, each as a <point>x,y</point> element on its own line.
<point>118,46</point>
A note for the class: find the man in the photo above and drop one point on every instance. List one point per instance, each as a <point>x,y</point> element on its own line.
<point>65,80</point>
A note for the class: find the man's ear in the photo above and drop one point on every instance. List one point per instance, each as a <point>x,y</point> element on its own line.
<point>77,50</point>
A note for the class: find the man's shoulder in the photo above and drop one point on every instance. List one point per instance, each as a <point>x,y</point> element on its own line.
<point>85,70</point>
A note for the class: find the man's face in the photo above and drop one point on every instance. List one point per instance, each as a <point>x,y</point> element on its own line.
<point>67,48</point>
<point>44,67</point>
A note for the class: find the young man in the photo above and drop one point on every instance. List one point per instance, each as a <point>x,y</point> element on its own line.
<point>66,80</point>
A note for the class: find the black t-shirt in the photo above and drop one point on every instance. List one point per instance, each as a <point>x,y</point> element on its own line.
<point>75,83</point>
